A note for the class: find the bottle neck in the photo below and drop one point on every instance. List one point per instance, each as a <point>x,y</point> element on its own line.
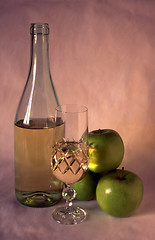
<point>40,53</point>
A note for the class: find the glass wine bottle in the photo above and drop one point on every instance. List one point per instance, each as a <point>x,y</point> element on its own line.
<point>35,131</point>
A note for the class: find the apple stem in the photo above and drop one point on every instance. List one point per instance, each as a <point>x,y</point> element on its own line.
<point>122,171</point>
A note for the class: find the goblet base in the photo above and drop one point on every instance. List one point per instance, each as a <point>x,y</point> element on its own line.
<point>69,215</point>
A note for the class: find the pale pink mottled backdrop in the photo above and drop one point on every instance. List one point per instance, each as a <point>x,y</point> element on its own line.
<point>102,54</point>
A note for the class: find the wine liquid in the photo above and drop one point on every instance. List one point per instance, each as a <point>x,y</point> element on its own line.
<point>34,182</point>
<point>69,161</point>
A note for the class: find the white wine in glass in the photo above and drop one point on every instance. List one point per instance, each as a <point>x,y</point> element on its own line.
<point>70,161</point>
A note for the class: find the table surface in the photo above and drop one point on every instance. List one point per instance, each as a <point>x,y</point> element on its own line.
<point>20,222</point>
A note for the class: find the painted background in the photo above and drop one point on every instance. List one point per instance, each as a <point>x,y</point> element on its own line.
<point>102,54</point>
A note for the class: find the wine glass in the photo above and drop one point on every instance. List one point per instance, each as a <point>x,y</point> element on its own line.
<point>69,159</point>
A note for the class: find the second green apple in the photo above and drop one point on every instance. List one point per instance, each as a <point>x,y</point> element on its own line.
<point>106,150</point>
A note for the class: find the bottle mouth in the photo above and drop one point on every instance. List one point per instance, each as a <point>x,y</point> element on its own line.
<point>39,28</point>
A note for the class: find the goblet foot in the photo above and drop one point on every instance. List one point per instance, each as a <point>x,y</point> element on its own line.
<point>69,215</point>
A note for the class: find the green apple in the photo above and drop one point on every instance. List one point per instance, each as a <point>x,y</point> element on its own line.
<point>119,193</point>
<point>86,187</point>
<point>106,150</point>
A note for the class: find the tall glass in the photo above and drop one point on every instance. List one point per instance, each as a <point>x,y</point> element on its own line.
<point>69,161</point>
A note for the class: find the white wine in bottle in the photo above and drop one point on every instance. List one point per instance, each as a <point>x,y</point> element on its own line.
<point>35,129</point>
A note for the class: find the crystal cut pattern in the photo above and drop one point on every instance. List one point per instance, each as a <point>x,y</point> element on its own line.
<point>69,156</point>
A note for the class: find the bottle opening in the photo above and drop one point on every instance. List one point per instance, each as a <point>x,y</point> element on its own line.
<point>39,28</point>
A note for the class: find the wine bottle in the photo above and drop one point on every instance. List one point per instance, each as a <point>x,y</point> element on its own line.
<point>35,129</point>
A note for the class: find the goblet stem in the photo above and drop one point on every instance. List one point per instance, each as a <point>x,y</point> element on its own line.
<point>68,194</point>
<point>69,214</point>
